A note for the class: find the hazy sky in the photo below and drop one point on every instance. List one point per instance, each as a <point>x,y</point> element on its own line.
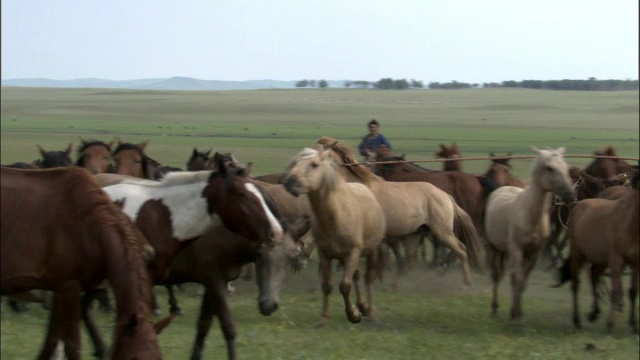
<point>429,40</point>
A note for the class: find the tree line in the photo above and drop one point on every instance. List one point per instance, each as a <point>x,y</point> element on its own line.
<point>591,84</point>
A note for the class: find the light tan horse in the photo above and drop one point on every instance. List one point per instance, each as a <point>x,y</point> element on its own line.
<point>517,223</point>
<point>413,206</point>
<point>349,223</point>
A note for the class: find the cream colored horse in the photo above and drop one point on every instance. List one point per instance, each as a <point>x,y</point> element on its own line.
<point>412,206</point>
<point>348,223</point>
<point>517,223</point>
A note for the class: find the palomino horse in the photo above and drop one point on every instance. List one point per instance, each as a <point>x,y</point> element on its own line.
<point>450,152</point>
<point>469,191</point>
<point>413,206</point>
<point>95,156</point>
<point>217,258</point>
<point>349,223</point>
<point>604,232</point>
<point>60,232</point>
<point>517,223</point>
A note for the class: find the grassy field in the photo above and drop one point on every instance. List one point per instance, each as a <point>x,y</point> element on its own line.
<point>268,127</point>
<point>427,316</point>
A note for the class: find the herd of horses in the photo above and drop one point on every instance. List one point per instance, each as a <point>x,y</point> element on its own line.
<point>118,218</point>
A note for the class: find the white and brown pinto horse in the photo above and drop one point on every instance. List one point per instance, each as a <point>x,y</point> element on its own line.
<point>517,223</point>
<point>348,223</point>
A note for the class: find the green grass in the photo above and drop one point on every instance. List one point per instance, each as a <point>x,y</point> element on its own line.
<point>428,316</point>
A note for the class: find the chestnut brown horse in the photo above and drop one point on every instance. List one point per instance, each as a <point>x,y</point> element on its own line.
<point>131,160</point>
<point>348,223</point>
<point>605,233</point>
<point>61,232</point>
<point>217,258</point>
<point>95,156</point>
<point>198,160</point>
<point>517,223</point>
<point>450,152</point>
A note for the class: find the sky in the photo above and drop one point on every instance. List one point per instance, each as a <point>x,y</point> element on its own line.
<point>474,41</point>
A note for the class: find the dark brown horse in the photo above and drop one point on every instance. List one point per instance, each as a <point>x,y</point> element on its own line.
<point>198,160</point>
<point>61,232</point>
<point>95,156</point>
<point>605,233</point>
<point>217,258</point>
<point>51,159</point>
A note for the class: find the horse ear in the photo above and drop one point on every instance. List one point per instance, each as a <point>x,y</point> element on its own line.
<point>328,147</point>
<point>403,156</point>
<point>208,152</point>
<point>160,325</point>
<point>82,140</point>
<point>41,150</point>
<point>119,141</point>
<point>491,154</point>
<point>69,148</point>
<point>534,149</point>
<point>110,144</point>
<point>143,144</point>
<point>442,146</point>
<point>194,153</point>
<point>561,149</point>
<point>246,171</point>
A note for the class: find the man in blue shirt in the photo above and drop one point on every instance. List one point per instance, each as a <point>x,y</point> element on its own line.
<point>374,141</point>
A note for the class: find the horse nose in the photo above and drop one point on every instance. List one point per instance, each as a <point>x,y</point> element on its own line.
<point>267,307</point>
<point>290,184</point>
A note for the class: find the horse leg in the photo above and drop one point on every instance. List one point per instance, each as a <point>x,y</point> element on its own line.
<point>576,260</point>
<point>370,278</point>
<point>173,301</point>
<point>350,267</point>
<point>64,323</point>
<point>616,264</point>
<point>518,265</point>
<point>207,312</point>
<point>496,262</point>
<point>324,265</point>
<point>90,325</point>
<point>595,273</point>
<point>633,294</point>
<point>356,286</point>
<point>447,237</point>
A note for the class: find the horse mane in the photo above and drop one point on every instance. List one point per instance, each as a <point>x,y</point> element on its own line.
<point>87,144</point>
<point>345,154</point>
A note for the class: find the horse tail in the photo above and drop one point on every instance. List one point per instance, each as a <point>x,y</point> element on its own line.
<point>564,272</point>
<point>465,230</point>
<point>488,185</point>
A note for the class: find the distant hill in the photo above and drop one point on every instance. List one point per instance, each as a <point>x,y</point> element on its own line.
<point>174,83</point>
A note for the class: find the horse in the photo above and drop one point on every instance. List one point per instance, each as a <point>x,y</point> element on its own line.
<point>185,205</point>
<point>61,232</point>
<point>216,259</point>
<point>517,223</point>
<point>500,173</point>
<point>198,160</point>
<point>450,152</point>
<point>469,191</point>
<point>604,232</point>
<point>348,223</point>
<point>131,160</point>
<point>412,207</point>
<point>95,156</point>
<point>51,159</point>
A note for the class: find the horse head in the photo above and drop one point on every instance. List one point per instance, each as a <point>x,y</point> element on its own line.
<point>52,159</point>
<point>198,160</point>
<point>95,156</point>
<point>550,172</point>
<point>131,160</point>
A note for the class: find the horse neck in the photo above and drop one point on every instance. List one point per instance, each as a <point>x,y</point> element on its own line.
<point>537,201</point>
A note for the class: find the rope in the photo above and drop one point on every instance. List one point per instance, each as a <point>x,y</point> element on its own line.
<point>488,158</point>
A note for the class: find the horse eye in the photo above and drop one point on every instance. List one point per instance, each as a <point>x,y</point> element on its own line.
<point>314,165</point>
<point>548,168</point>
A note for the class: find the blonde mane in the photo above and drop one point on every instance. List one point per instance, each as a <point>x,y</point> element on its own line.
<point>344,155</point>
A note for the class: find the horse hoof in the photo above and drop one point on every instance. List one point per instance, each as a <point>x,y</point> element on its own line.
<point>322,323</point>
<point>354,316</point>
